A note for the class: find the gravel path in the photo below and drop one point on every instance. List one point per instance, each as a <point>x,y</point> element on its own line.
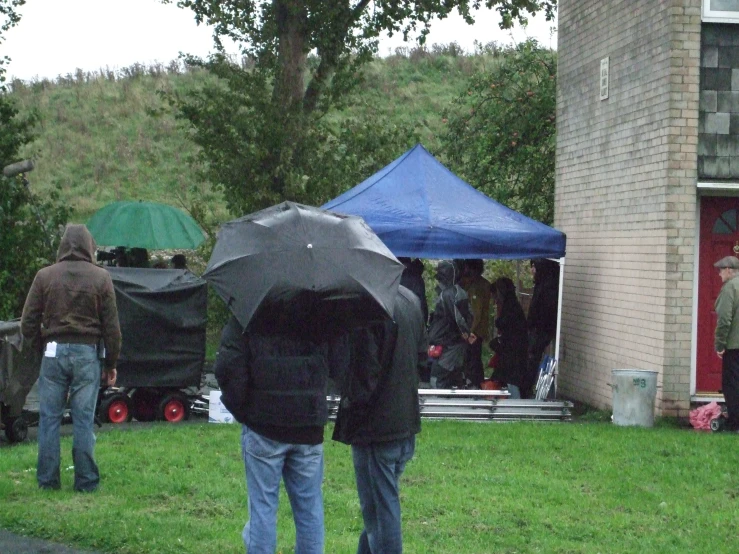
<point>16,544</point>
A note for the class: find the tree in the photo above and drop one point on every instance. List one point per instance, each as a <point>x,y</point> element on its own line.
<point>259,154</point>
<point>10,18</point>
<point>501,131</point>
<point>28,225</point>
<point>264,131</point>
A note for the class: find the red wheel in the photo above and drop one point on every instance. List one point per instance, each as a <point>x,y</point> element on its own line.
<point>174,408</point>
<point>118,411</point>
<point>116,408</point>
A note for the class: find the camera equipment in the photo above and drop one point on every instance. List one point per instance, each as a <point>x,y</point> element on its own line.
<point>116,257</point>
<point>103,256</point>
<point>21,168</point>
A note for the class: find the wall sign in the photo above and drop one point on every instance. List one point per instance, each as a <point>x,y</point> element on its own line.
<point>604,79</point>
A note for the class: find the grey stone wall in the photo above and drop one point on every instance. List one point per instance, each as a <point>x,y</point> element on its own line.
<point>718,126</point>
<point>626,193</point>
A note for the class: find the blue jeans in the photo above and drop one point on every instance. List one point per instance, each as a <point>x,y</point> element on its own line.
<point>73,373</point>
<point>301,466</point>
<point>378,468</point>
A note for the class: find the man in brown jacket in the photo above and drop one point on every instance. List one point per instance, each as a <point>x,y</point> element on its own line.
<point>70,312</point>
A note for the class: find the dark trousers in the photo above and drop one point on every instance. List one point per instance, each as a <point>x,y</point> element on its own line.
<point>442,378</point>
<point>730,386</point>
<point>473,364</point>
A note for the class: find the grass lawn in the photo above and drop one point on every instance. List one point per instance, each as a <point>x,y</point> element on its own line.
<point>472,488</point>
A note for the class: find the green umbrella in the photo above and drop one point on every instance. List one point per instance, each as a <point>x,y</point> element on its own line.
<point>144,225</point>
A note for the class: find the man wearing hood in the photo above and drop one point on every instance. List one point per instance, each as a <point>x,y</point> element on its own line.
<point>69,311</point>
<point>449,327</point>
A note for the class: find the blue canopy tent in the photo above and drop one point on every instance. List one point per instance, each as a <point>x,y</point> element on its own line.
<point>420,209</point>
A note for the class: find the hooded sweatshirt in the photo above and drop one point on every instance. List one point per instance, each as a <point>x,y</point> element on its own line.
<point>73,300</point>
<point>452,315</point>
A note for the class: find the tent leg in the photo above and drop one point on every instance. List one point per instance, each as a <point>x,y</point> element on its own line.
<point>559,321</point>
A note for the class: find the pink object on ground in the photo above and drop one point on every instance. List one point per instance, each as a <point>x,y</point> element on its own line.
<point>701,417</point>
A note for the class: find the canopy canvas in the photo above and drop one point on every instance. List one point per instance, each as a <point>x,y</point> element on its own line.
<point>420,209</point>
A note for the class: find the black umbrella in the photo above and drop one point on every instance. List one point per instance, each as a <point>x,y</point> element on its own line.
<point>291,266</point>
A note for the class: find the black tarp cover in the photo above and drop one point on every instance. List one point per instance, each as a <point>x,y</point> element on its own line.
<point>163,313</point>
<point>19,367</point>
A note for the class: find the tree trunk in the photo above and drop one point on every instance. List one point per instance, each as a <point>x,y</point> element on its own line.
<point>292,54</point>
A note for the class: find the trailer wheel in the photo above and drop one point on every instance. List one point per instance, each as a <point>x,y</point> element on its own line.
<point>717,424</point>
<point>144,404</point>
<point>16,429</point>
<point>174,408</point>
<point>116,408</point>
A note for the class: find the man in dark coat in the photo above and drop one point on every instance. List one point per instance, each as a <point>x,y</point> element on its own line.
<point>379,417</point>
<point>275,385</point>
<point>449,327</point>
<point>511,344</point>
<point>542,318</point>
<point>412,279</point>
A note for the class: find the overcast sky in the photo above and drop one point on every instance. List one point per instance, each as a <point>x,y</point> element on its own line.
<point>56,37</point>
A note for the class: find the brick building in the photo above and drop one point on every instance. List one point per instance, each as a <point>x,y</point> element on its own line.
<point>647,190</point>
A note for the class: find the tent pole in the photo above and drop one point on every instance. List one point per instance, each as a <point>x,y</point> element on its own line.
<point>559,320</point>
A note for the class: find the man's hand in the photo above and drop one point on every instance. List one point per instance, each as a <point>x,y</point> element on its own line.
<point>472,339</point>
<point>721,354</point>
<point>109,376</point>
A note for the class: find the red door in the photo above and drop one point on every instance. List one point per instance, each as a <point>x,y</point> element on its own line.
<point>719,237</point>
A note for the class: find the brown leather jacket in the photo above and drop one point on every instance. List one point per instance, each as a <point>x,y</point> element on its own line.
<point>73,301</point>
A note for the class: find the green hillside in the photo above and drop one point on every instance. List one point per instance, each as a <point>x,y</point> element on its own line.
<point>110,136</point>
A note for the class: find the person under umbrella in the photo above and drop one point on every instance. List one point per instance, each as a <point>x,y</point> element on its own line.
<point>379,416</point>
<point>275,385</point>
<point>293,276</point>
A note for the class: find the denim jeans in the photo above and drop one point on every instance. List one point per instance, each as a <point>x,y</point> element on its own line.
<point>73,373</point>
<point>378,468</point>
<point>301,466</point>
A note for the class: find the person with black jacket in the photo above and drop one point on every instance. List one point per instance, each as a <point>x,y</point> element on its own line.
<point>379,416</point>
<point>412,279</point>
<point>450,328</point>
<point>542,317</point>
<point>275,385</point>
<point>511,343</point>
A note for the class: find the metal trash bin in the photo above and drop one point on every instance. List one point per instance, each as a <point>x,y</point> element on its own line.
<point>19,370</point>
<point>634,393</point>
